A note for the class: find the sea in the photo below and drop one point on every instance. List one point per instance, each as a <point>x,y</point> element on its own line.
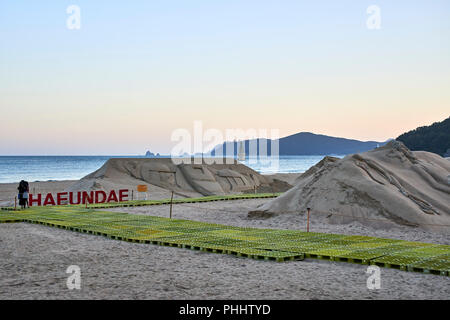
<point>56,168</point>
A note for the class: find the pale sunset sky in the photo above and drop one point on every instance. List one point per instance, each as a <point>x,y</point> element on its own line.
<point>137,70</point>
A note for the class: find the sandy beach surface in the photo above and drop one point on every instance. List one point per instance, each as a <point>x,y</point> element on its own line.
<point>34,259</point>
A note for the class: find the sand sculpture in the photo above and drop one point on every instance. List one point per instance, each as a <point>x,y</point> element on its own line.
<point>184,179</point>
<point>378,187</point>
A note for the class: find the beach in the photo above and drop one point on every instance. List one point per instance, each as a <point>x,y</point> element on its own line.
<point>34,260</point>
<point>231,151</point>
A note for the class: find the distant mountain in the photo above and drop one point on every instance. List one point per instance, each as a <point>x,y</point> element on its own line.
<point>149,154</point>
<point>434,138</point>
<point>306,143</point>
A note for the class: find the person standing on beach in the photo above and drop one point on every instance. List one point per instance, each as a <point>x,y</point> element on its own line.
<point>23,193</point>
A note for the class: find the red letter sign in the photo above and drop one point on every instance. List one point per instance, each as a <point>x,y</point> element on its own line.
<point>103,194</point>
<point>112,197</point>
<point>31,200</point>
<point>122,195</point>
<point>49,200</point>
<point>61,197</point>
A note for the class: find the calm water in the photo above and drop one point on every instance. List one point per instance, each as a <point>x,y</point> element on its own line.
<point>44,168</point>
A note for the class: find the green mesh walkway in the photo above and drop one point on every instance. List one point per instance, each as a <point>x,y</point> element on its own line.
<point>139,203</point>
<point>266,244</point>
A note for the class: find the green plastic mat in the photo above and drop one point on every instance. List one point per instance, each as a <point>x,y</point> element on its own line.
<point>264,244</point>
<point>139,203</point>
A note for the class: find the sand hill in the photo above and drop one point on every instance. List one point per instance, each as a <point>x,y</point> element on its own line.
<point>378,187</point>
<point>188,180</point>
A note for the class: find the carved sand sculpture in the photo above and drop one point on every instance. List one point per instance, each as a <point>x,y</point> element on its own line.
<point>385,185</point>
<point>187,179</point>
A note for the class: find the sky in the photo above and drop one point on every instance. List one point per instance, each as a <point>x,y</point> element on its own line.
<point>136,71</point>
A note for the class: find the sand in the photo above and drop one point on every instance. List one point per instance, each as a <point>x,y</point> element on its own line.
<point>286,177</point>
<point>387,184</point>
<point>33,261</point>
<point>187,179</point>
<point>9,190</point>
<point>34,258</point>
<point>184,180</point>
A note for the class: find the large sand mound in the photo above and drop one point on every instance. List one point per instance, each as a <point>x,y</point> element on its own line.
<point>378,187</point>
<point>184,179</point>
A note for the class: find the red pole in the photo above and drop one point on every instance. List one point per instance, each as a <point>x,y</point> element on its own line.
<point>307,227</point>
